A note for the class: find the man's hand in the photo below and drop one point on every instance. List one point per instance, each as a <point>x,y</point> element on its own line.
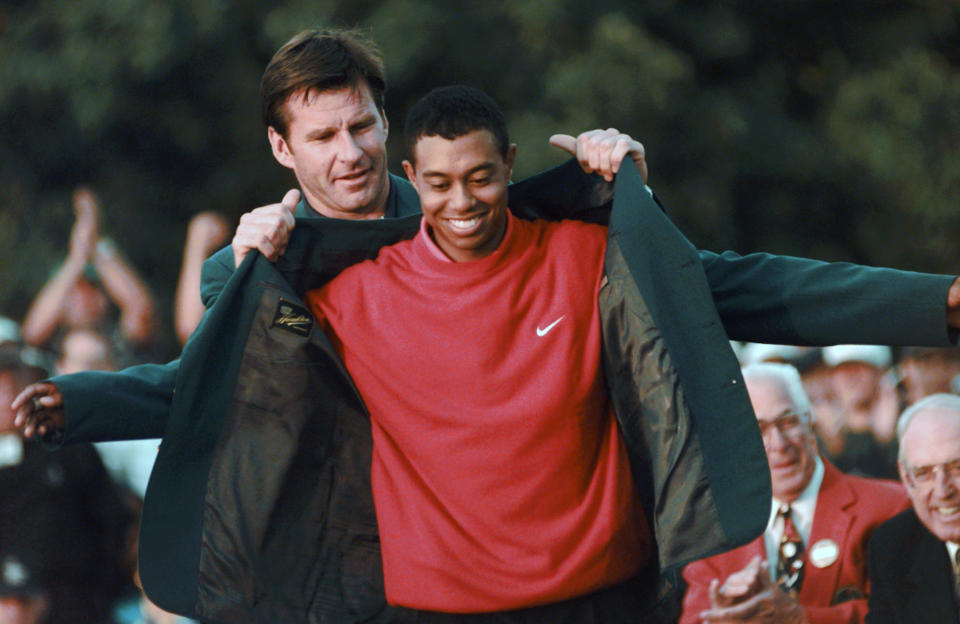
<point>266,229</point>
<point>39,410</point>
<point>602,151</point>
<point>765,603</point>
<point>208,231</point>
<point>739,586</point>
<point>86,226</point>
<point>953,305</point>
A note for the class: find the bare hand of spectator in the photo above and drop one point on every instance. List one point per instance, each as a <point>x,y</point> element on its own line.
<point>266,229</point>
<point>602,151</point>
<point>86,227</point>
<point>738,586</point>
<point>764,602</point>
<point>39,410</point>
<point>209,230</point>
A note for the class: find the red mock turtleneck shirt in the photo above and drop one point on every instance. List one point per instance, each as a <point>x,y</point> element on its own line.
<point>499,477</point>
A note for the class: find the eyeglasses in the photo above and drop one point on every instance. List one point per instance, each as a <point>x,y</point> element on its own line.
<point>927,475</point>
<point>789,425</point>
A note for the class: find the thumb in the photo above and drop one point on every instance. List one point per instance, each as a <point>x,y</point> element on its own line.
<point>290,200</point>
<point>565,142</point>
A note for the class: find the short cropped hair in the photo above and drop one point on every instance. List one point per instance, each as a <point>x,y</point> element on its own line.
<point>941,400</point>
<point>452,112</point>
<point>320,60</point>
<point>789,379</point>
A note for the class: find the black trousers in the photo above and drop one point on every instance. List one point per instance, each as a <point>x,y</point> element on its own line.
<point>641,600</point>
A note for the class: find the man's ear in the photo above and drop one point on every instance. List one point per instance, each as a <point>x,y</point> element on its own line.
<point>511,157</point>
<point>411,173</point>
<point>386,125</point>
<point>904,476</point>
<point>280,147</point>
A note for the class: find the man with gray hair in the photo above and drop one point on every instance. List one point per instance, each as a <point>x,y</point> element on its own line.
<point>913,556</point>
<point>809,564</point>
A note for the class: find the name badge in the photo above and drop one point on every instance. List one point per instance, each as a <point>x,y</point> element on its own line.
<point>824,553</point>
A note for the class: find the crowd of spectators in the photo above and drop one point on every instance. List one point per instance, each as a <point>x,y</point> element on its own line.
<point>857,393</point>
<point>68,520</point>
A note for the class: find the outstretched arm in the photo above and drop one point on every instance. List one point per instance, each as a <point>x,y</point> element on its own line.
<point>126,289</point>
<point>45,312</point>
<point>207,231</point>
<point>787,300</point>
<point>96,406</point>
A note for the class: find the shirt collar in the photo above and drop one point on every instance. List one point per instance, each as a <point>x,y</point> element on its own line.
<point>437,253</point>
<point>805,505</point>
<point>952,548</point>
<point>391,211</point>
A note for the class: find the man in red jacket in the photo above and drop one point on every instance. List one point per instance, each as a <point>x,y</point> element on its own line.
<point>810,563</point>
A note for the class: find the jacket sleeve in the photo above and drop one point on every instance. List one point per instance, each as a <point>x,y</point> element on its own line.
<point>782,299</point>
<point>131,404</point>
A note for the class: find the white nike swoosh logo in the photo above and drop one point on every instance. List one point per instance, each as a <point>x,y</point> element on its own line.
<point>543,332</point>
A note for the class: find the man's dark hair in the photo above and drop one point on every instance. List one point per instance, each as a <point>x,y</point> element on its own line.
<point>452,112</point>
<point>320,60</point>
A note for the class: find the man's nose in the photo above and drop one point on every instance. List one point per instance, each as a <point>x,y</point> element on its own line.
<point>943,485</point>
<point>774,439</point>
<point>461,198</point>
<point>347,149</point>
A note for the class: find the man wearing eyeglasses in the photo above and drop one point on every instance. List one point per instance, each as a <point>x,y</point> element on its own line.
<point>913,557</point>
<point>810,563</point>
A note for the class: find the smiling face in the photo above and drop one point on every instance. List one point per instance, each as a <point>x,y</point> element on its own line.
<point>787,437</point>
<point>933,439</point>
<point>462,184</point>
<point>336,146</point>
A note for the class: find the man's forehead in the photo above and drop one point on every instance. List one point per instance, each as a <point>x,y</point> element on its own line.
<point>932,429</point>
<point>474,150</point>
<point>769,397</point>
<point>333,98</point>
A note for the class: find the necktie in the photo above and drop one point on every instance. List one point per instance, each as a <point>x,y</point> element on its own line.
<point>790,560</point>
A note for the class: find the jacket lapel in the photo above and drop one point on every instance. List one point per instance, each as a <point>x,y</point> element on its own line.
<point>832,520</point>
<point>930,582</point>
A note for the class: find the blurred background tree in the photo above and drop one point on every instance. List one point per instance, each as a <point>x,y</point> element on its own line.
<point>808,127</point>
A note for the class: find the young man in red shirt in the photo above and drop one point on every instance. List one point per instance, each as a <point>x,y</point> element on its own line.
<point>500,479</point>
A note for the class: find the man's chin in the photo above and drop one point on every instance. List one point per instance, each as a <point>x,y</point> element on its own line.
<point>787,481</point>
<point>357,204</point>
<point>944,522</point>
